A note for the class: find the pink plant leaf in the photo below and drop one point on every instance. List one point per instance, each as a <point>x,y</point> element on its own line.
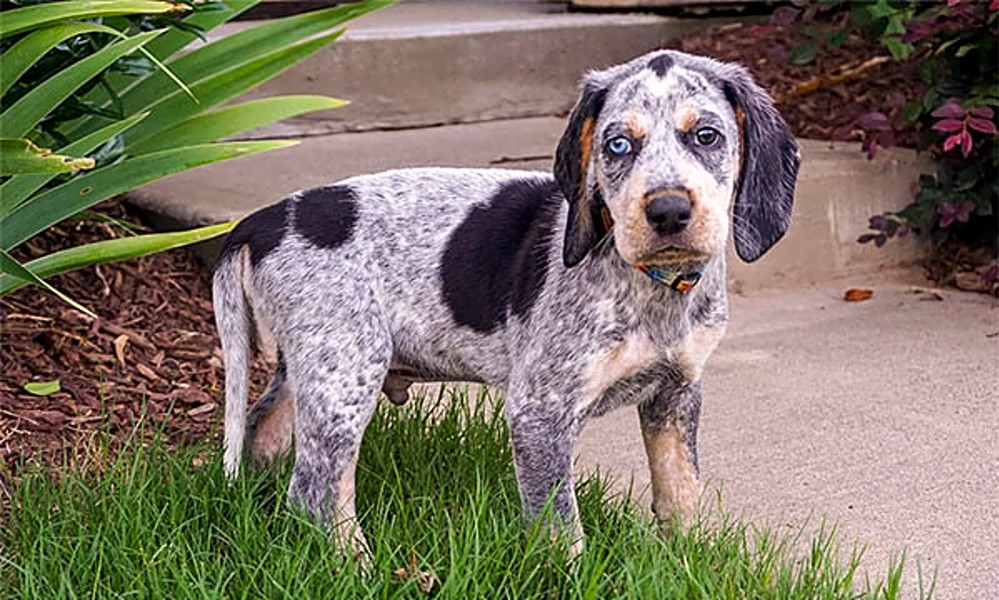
<point>949,110</point>
<point>982,125</point>
<point>994,5</point>
<point>947,213</point>
<point>952,3</point>
<point>896,100</point>
<point>963,212</point>
<point>952,142</point>
<point>785,15</point>
<point>948,125</point>
<point>991,274</point>
<point>966,143</point>
<point>916,30</point>
<point>981,111</point>
<point>886,139</point>
<point>841,134</point>
<point>874,121</point>
<point>870,145</point>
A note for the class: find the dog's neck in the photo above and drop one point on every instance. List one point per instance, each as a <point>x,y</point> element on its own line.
<point>655,285</point>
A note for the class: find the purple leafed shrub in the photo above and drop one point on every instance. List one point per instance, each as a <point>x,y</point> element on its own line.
<point>954,46</point>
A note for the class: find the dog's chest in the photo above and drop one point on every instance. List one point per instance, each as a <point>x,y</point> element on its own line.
<point>634,369</point>
<point>621,372</point>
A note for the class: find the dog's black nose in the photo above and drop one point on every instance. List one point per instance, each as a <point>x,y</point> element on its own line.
<point>668,215</point>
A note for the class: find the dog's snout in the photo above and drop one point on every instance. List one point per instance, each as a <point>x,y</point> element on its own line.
<point>668,214</point>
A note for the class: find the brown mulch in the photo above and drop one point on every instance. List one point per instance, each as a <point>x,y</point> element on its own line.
<point>816,113</point>
<point>154,351</point>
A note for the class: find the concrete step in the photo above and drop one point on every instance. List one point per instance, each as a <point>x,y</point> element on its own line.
<point>419,64</point>
<point>838,189</point>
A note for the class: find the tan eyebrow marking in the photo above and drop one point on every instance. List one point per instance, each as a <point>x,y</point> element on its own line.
<point>685,118</point>
<point>635,125</point>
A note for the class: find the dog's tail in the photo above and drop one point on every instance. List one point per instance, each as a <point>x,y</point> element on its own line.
<point>233,317</point>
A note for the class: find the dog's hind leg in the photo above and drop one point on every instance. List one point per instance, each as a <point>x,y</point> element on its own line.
<point>335,370</point>
<point>271,423</point>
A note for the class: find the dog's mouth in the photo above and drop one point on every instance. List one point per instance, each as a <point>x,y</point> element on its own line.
<point>671,254</point>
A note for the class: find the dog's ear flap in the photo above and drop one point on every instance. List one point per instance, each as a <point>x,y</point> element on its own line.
<point>584,227</point>
<point>768,172</point>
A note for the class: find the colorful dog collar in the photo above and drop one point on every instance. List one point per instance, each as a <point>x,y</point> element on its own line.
<point>680,280</point>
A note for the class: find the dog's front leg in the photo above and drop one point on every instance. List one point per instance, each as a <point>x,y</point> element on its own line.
<point>669,430</point>
<point>542,438</point>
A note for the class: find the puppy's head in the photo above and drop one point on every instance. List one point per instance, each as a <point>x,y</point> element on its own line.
<point>663,145</point>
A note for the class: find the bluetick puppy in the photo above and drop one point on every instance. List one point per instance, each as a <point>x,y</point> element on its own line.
<point>599,287</point>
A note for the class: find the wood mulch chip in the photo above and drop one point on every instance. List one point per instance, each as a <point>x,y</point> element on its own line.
<point>153,354</point>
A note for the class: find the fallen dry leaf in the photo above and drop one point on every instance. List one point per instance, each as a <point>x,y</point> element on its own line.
<point>929,295</point>
<point>120,343</point>
<point>425,580</point>
<point>857,294</point>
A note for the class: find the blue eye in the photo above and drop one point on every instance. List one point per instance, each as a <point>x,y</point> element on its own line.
<point>619,146</point>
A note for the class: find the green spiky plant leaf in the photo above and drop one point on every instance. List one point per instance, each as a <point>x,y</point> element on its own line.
<point>72,81</point>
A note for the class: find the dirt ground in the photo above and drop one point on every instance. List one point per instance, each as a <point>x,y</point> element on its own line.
<point>154,350</point>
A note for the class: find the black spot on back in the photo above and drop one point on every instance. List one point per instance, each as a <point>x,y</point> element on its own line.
<point>262,231</point>
<point>661,64</point>
<point>497,259</point>
<point>326,216</point>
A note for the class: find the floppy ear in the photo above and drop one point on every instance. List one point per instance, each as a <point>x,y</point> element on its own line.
<point>572,160</point>
<point>769,169</point>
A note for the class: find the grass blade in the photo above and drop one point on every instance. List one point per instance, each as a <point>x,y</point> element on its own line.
<point>83,192</point>
<point>21,118</point>
<point>39,15</point>
<point>233,120</point>
<point>11,267</point>
<point>99,253</point>
<point>17,189</point>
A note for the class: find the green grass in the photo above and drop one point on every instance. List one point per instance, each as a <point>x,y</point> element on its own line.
<point>435,481</point>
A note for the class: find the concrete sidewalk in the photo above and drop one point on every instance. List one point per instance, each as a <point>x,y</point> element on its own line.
<point>881,416</point>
